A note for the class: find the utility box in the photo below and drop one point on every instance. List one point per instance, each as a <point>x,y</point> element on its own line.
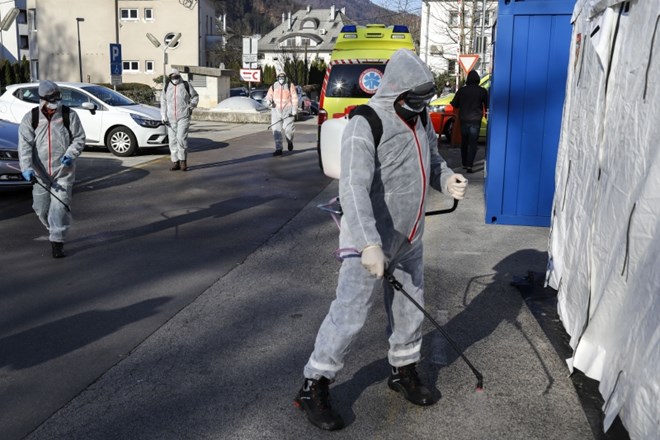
<point>528,82</point>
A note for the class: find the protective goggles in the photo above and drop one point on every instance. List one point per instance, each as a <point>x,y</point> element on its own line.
<point>420,96</point>
<point>175,77</point>
<point>52,97</point>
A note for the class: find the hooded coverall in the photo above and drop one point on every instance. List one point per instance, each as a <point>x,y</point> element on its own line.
<point>41,150</point>
<point>176,106</point>
<point>285,101</point>
<point>383,196</point>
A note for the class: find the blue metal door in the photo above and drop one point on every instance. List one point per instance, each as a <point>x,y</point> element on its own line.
<point>527,95</point>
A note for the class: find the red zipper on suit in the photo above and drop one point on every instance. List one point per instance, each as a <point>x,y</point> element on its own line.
<point>420,210</point>
<point>50,150</point>
<point>175,116</point>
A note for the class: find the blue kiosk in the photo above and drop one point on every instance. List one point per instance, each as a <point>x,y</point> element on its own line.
<point>531,41</point>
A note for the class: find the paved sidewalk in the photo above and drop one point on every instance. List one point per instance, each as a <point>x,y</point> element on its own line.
<point>228,365</point>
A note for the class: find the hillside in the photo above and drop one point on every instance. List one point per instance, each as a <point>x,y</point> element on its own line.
<point>246,17</point>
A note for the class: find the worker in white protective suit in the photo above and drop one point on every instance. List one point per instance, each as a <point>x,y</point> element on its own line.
<point>283,100</point>
<point>177,102</point>
<point>50,140</point>
<point>383,191</point>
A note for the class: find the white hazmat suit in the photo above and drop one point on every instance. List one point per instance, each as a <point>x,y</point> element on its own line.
<point>383,191</point>
<point>176,105</point>
<point>41,150</point>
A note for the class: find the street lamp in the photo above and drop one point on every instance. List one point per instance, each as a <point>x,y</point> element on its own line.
<point>5,24</point>
<point>78,20</point>
<point>169,44</point>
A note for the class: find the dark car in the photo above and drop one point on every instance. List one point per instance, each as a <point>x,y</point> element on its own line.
<point>238,91</point>
<point>260,96</point>
<point>10,170</point>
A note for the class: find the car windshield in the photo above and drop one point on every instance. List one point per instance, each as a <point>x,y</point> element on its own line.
<point>108,96</point>
<point>344,80</point>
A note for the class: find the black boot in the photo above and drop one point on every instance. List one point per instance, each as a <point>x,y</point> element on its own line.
<point>406,381</point>
<point>58,249</point>
<point>314,399</point>
<point>289,144</point>
<point>184,165</point>
<point>277,153</point>
<point>175,166</point>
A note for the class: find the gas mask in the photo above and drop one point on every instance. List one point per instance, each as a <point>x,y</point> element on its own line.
<point>175,79</point>
<point>53,100</point>
<point>281,79</point>
<point>416,99</point>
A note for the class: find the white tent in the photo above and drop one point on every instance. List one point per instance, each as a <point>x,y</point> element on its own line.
<point>604,244</point>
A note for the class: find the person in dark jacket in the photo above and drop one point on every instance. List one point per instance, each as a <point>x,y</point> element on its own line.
<point>472,102</point>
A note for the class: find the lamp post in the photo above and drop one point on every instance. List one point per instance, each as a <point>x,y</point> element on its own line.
<point>78,20</point>
<point>169,44</point>
<point>5,24</point>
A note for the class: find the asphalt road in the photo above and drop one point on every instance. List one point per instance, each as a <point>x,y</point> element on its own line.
<point>145,243</point>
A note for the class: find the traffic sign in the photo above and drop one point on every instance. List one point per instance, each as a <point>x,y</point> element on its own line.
<point>249,58</point>
<point>468,61</point>
<point>251,75</point>
<point>115,59</point>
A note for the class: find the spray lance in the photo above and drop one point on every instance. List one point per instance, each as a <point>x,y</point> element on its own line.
<point>34,180</point>
<point>334,208</point>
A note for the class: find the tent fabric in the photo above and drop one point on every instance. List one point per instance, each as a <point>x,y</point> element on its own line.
<point>604,245</point>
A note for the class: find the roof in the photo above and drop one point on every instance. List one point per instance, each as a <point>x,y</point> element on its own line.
<point>315,24</point>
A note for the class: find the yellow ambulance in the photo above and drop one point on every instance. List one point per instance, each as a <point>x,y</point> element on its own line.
<point>356,68</point>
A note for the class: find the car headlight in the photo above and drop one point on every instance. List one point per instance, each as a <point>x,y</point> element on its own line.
<point>437,108</point>
<point>145,122</point>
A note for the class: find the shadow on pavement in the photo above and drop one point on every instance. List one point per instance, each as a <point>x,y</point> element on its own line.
<point>57,338</point>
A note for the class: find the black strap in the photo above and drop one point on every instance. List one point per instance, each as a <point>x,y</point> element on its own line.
<point>372,118</point>
<point>66,118</point>
<point>185,85</point>
<point>374,121</point>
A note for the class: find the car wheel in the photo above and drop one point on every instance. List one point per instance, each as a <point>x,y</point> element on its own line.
<point>121,142</point>
<point>447,131</point>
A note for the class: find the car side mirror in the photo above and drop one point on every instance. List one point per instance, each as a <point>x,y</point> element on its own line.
<point>89,106</point>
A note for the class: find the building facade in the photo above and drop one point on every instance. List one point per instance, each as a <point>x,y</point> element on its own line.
<point>56,30</point>
<point>448,25</point>
<point>14,40</point>
<point>304,35</point>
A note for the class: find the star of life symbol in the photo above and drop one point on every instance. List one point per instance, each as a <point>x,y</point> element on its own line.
<point>370,80</point>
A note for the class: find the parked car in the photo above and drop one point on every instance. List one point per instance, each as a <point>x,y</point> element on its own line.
<point>304,103</point>
<point>10,170</point>
<point>441,113</point>
<point>238,91</point>
<point>259,95</point>
<point>109,118</point>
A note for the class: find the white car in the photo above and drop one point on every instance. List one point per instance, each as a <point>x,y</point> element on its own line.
<point>109,118</point>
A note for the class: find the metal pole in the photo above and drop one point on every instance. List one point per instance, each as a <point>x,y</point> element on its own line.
<point>483,38</point>
<point>78,20</point>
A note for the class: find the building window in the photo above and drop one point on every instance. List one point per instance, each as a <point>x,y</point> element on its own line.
<point>131,66</point>
<point>23,42</point>
<point>149,66</point>
<point>22,17</point>
<point>451,67</point>
<point>128,14</point>
<point>148,14</point>
<point>308,24</point>
<point>453,18</point>
<point>32,20</point>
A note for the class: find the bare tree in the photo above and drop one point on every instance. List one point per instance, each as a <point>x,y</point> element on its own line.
<point>453,27</point>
